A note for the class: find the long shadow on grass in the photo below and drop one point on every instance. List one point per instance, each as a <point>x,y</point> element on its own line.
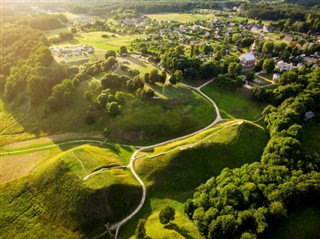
<point>127,230</point>
<point>173,226</point>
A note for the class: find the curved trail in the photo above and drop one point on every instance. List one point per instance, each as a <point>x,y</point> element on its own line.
<point>133,158</point>
<point>130,166</point>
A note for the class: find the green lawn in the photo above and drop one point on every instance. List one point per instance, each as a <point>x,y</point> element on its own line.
<point>311,136</point>
<point>302,224</point>
<point>95,39</point>
<point>235,103</point>
<point>134,63</point>
<point>178,17</point>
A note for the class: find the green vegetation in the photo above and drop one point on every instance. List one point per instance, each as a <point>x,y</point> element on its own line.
<point>178,17</point>
<point>235,103</point>
<point>53,200</point>
<point>95,39</point>
<point>301,224</point>
<point>189,162</point>
<point>311,137</point>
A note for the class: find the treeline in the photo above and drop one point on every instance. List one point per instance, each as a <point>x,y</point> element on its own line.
<point>307,19</point>
<point>48,21</point>
<point>26,64</point>
<point>148,7</point>
<point>246,202</point>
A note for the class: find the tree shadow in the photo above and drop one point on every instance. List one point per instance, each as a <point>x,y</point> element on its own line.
<point>173,226</point>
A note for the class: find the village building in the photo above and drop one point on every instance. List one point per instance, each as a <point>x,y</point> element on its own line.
<point>247,60</point>
<point>284,66</point>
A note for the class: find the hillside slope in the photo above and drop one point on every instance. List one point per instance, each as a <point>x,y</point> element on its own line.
<point>55,202</point>
<point>229,144</point>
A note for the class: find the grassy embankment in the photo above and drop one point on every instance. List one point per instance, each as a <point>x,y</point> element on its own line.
<point>54,201</point>
<point>172,177</point>
<point>235,103</point>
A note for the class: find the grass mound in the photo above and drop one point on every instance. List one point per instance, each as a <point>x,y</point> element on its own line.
<point>178,111</point>
<point>54,201</point>
<point>186,166</point>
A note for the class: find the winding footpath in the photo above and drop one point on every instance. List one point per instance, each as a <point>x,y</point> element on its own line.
<point>218,118</point>
<point>116,227</point>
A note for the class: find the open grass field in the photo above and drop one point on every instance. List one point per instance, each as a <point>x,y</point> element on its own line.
<point>135,63</point>
<point>95,39</point>
<point>235,103</point>
<point>178,17</point>
<point>311,136</point>
<point>302,224</point>
<point>53,201</point>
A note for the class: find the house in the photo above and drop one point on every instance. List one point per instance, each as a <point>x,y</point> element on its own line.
<point>275,76</point>
<point>287,39</point>
<point>284,66</point>
<point>247,60</point>
<point>309,115</point>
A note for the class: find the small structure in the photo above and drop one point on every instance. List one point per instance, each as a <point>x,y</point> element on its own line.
<point>247,60</point>
<point>275,76</point>
<point>309,115</point>
<point>287,39</point>
<point>284,66</point>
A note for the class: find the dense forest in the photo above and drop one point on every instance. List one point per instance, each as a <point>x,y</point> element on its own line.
<point>27,68</point>
<point>246,201</point>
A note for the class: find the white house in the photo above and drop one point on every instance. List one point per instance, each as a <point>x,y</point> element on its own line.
<point>284,66</point>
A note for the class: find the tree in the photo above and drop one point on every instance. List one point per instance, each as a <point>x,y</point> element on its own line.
<point>74,30</point>
<point>234,69</point>
<point>166,215</point>
<point>267,47</point>
<point>250,76</point>
<point>123,50</point>
<point>268,65</point>
<point>154,76</point>
<point>113,108</point>
<point>235,38</point>
<point>109,63</point>
<point>110,53</point>
<point>141,230</point>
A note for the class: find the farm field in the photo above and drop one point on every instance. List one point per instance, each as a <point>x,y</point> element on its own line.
<point>178,17</point>
<point>236,103</point>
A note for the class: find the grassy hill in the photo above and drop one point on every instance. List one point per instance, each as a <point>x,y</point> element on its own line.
<point>192,163</point>
<point>172,177</point>
<point>54,201</point>
<point>178,111</point>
